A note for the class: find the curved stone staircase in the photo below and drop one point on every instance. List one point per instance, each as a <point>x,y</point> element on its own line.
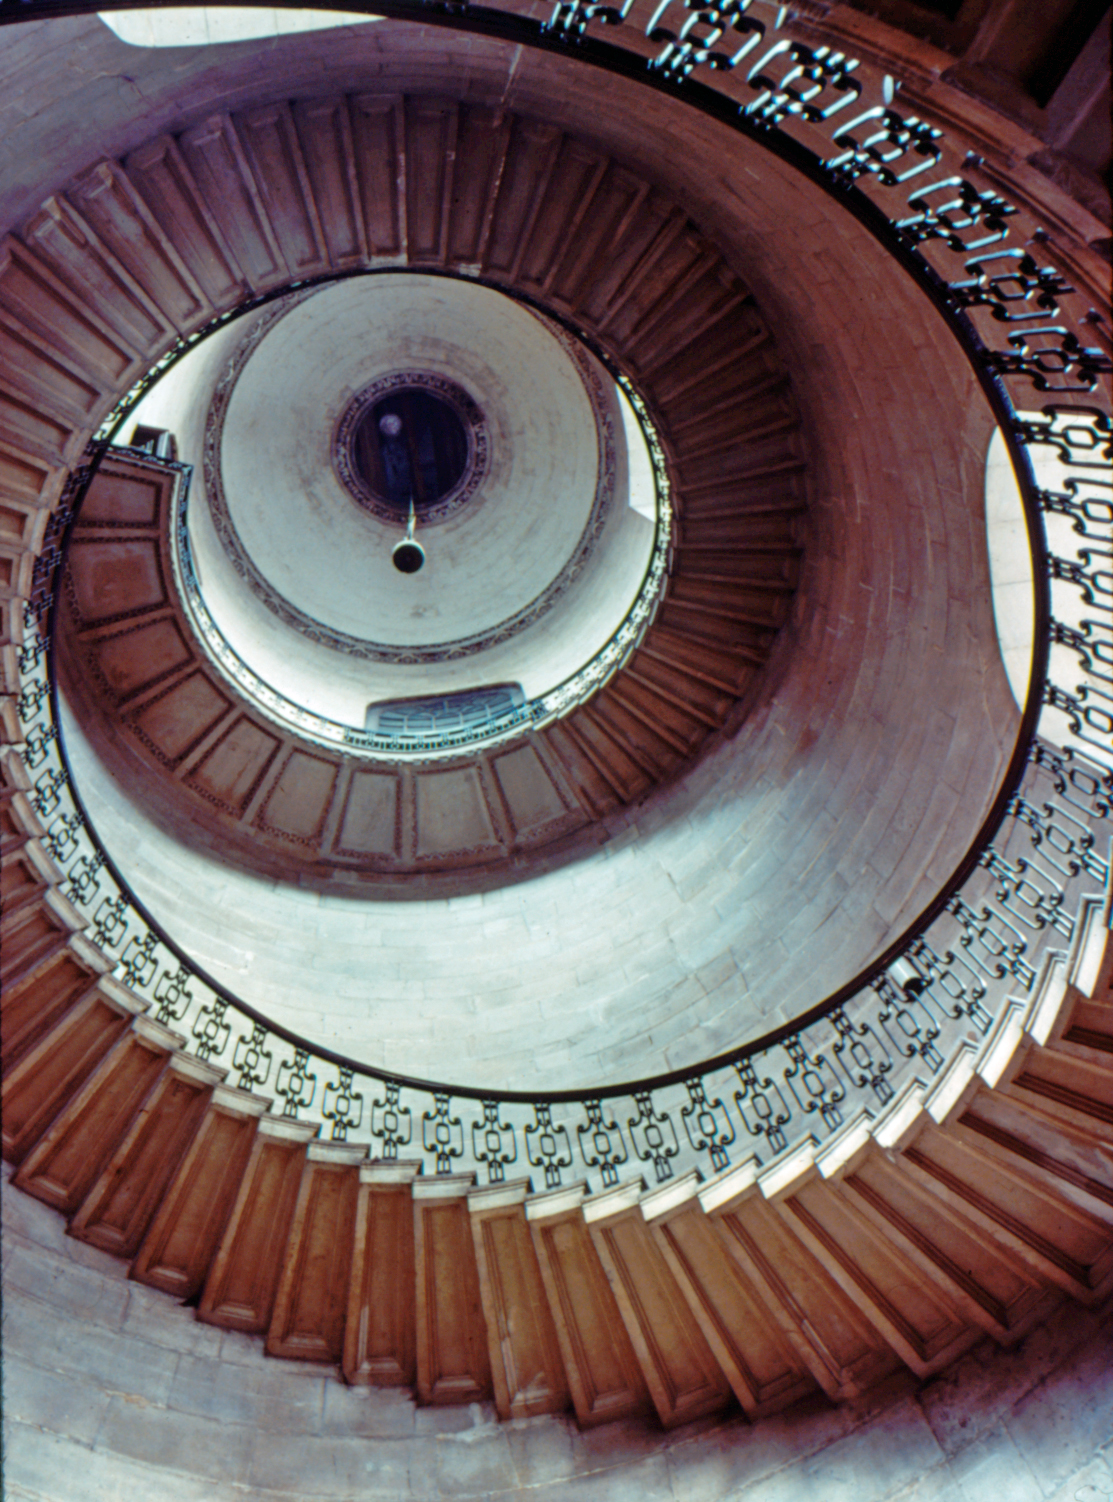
<point>968,1209</point>
<point>137,254</point>
<point>131,662</point>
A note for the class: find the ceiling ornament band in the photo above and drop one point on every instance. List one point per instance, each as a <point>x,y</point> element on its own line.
<point>358,647</point>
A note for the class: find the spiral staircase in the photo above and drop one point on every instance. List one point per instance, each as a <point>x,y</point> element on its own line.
<point>970,1209</point>
<point>510,207</point>
<point>976,1202</point>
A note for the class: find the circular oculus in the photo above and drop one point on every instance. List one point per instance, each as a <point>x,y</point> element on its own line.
<point>412,435</point>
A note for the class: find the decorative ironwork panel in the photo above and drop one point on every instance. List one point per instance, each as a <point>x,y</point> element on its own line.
<point>653,1135</point>
<point>812,1082</point>
<point>173,994</point>
<point>602,1144</point>
<point>442,1133</point>
<point>391,1123</point>
<point>494,1143</point>
<point>761,1103</point>
<point>863,1057</point>
<point>547,1145</point>
<point>251,1059</point>
<point>343,1106</point>
<point>708,1125</point>
<point>295,1083</point>
<point>211,1031</point>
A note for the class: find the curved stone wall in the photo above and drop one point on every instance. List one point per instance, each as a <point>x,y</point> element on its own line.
<point>850,792</point>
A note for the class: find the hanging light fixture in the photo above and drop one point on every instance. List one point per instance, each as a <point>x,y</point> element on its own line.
<point>408,556</point>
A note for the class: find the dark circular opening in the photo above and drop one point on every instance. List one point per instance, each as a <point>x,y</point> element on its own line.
<point>408,557</point>
<point>410,445</point>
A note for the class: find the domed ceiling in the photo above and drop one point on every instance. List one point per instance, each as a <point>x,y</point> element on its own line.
<point>538,505</point>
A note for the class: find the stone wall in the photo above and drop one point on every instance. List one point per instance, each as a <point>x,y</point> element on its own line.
<point>848,795</point>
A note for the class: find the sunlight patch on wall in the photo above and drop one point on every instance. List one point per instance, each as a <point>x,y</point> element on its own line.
<point>1010,567</point>
<point>203,25</point>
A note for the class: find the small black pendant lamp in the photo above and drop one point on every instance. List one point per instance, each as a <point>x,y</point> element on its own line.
<point>408,556</point>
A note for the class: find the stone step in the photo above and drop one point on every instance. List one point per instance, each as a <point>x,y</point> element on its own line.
<point>243,1278</point>
<point>899,1244</point>
<point>115,1213</point>
<point>527,1372</point>
<point>76,1030</point>
<point>453,1358</point>
<point>311,1303</point>
<point>70,1157</point>
<point>183,1235</point>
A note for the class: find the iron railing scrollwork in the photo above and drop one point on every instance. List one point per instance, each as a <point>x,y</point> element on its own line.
<point>1013,900</point>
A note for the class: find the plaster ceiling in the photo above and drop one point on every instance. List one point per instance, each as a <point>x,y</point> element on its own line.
<point>514,537</point>
<point>522,584</point>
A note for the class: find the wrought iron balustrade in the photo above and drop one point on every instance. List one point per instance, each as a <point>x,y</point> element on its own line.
<point>942,992</point>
